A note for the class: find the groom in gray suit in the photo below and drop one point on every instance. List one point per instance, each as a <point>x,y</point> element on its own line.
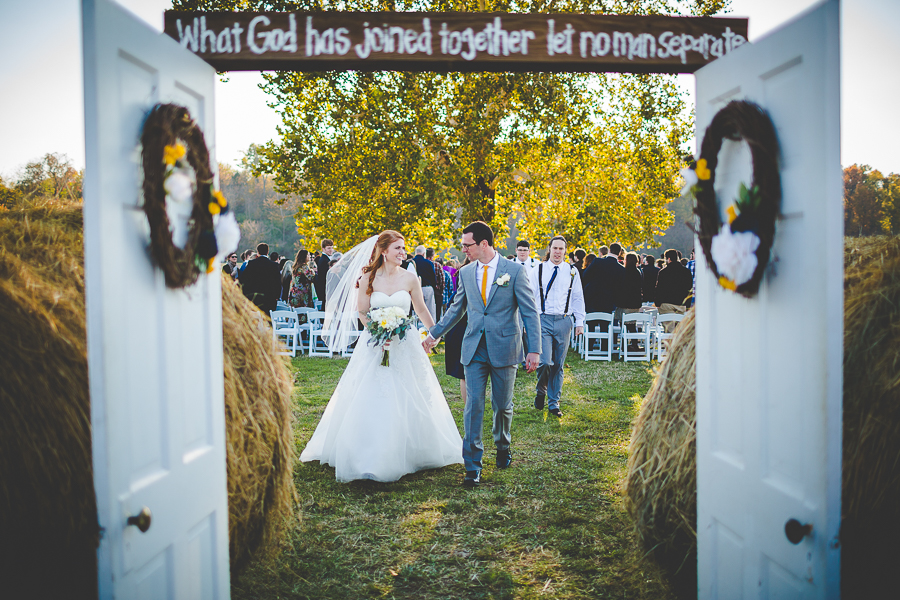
<point>495,293</point>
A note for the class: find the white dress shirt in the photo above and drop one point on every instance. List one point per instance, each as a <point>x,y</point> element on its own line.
<point>555,301</point>
<point>492,274</point>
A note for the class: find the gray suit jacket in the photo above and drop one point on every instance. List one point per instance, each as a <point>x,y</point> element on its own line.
<point>500,321</point>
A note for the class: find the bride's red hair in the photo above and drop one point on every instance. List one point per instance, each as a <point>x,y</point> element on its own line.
<point>385,239</point>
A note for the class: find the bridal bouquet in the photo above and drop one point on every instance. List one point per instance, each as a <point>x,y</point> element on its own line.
<point>384,324</point>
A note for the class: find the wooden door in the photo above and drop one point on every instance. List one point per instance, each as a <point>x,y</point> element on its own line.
<point>769,368</point>
<point>154,354</point>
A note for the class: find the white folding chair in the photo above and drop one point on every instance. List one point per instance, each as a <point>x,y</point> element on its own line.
<point>305,326</point>
<point>282,305</point>
<point>318,346</point>
<point>285,332</point>
<point>662,336</point>
<point>641,335</point>
<point>353,335</point>
<point>598,327</point>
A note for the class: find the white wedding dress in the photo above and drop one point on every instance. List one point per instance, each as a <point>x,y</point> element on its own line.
<point>384,422</point>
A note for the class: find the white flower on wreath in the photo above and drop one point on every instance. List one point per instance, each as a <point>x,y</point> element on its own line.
<point>228,234</point>
<point>735,254</point>
<point>179,187</point>
<point>690,180</point>
<point>503,280</point>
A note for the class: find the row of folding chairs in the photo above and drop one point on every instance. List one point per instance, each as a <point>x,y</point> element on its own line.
<point>302,330</point>
<point>648,335</point>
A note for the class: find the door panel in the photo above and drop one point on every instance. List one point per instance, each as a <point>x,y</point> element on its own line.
<point>769,368</point>
<point>154,354</point>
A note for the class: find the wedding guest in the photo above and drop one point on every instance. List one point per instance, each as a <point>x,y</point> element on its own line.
<point>286,276</point>
<point>261,280</point>
<point>630,294</point>
<point>523,255</point>
<point>230,264</point>
<point>692,267</point>
<point>303,274</point>
<point>438,284</point>
<point>275,257</point>
<point>588,259</point>
<point>453,350</point>
<point>673,285</point>
<point>322,264</point>
<point>425,270</point>
<point>601,281</point>
<point>559,297</point>
<point>580,254</point>
<point>603,251</point>
<point>649,271</point>
<point>332,279</point>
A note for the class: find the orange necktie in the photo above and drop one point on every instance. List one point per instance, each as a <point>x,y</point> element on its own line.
<point>484,285</point>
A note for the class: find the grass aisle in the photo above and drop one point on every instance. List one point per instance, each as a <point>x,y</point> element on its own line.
<point>551,526</point>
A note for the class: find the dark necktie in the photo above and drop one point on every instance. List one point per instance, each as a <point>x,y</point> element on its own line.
<point>552,277</point>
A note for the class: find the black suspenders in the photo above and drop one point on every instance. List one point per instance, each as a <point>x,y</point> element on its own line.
<point>541,289</point>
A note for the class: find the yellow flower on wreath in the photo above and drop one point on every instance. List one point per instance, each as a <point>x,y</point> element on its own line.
<point>702,170</point>
<point>727,283</point>
<point>220,198</point>
<point>171,154</point>
<point>211,265</point>
<point>214,208</point>
<point>732,214</point>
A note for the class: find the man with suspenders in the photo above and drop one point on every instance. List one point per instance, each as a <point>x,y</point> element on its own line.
<point>558,295</point>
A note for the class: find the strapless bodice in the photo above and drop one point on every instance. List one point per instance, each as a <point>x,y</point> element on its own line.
<point>399,298</point>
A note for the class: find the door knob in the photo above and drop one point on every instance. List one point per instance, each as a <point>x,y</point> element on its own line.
<point>141,520</point>
<point>796,531</point>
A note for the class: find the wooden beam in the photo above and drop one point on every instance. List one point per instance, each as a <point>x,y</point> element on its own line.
<point>455,41</point>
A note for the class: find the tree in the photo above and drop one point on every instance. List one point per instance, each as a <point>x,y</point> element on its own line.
<point>53,176</point>
<point>869,204</point>
<point>592,156</point>
<point>263,214</point>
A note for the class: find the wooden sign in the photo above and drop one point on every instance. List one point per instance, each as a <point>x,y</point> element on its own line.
<point>454,41</point>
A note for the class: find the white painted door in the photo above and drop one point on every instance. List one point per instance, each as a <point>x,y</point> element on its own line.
<point>154,354</point>
<point>769,369</point>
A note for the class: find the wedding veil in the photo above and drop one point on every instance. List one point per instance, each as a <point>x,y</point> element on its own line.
<point>340,303</point>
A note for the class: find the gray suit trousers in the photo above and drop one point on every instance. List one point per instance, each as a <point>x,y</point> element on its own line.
<point>503,380</point>
<point>556,331</point>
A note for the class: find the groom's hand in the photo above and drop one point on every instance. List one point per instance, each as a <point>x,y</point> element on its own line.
<point>532,361</point>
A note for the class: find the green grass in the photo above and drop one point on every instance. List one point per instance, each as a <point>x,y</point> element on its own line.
<point>552,526</point>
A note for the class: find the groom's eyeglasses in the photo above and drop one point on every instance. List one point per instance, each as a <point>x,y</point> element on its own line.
<point>466,246</point>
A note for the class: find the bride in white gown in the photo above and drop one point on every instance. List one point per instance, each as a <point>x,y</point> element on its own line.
<point>382,422</point>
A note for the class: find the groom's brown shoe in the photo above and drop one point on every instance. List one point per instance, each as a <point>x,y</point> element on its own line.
<point>473,479</point>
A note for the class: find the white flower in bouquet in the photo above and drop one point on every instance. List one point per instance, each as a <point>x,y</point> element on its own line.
<point>384,324</point>
<point>735,254</point>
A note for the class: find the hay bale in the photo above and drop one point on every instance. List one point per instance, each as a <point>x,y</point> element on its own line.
<point>662,485</point>
<point>48,512</point>
<point>662,468</point>
<point>257,428</point>
<point>870,499</point>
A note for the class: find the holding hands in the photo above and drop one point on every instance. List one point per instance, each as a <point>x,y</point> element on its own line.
<point>429,343</point>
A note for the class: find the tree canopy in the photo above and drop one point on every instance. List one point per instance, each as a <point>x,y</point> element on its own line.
<point>871,201</point>
<point>592,156</point>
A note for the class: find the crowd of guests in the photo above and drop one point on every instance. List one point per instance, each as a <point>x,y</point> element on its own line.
<point>613,280</point>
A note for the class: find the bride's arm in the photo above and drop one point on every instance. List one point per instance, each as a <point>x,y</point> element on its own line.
<point>418,301</point>
<point>362,300</point>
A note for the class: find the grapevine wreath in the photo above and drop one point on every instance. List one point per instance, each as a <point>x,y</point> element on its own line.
<point>190,221</point>
<point>738,251</point>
